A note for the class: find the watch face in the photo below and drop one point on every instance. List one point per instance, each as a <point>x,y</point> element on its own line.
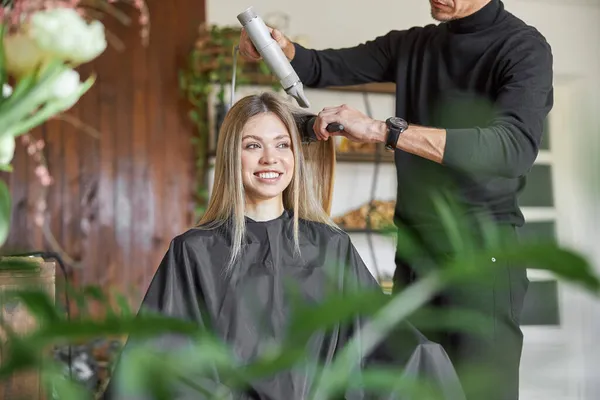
<point>397,122</point>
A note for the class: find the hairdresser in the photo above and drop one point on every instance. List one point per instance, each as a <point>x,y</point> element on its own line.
<point>472,95</point>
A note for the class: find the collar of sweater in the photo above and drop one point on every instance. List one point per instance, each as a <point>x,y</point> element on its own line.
<point>487,16</point>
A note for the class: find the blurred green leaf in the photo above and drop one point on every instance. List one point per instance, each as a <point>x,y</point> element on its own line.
<point>61,387</point>
<point>146,326</point>
<point>5,208</point>
<point>451,319</point>
<point>151,366</point>
<point>20,264</point>
<point>566,264</point>
<point>379,326</point>
<point>458,236</point>
<point>25,351</point>
<point>123,303</point>
<point>384,383</point>
<point>336,308</point>
<point>277,359</point>
<point>51,108</point>
<point>19,355</point>
<point>194,116</point>
<point>2,57</point>
<point>29,93</point>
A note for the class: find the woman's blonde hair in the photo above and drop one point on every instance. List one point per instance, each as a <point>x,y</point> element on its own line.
<point>309,193</point>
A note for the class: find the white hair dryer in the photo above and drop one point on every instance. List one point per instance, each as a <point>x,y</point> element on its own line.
<point>273,56</point>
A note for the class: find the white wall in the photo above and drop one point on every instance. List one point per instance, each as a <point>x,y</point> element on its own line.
<point>570,27</point>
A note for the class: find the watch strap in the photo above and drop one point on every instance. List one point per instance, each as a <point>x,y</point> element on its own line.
<point>394,131</point>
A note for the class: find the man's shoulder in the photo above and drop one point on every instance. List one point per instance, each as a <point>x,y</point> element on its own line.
<point>517,30</point>
<point>416,31</point>
<point>407,35</point>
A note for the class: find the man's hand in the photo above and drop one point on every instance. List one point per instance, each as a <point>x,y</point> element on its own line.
<point>357,126</point>
<point>248,51</point>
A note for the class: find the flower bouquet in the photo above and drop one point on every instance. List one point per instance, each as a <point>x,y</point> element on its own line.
<point>41,45</point>
<point>37,60</point>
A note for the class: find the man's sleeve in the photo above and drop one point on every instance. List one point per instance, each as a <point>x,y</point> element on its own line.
<point>509,145</point>
<point>372,61</point>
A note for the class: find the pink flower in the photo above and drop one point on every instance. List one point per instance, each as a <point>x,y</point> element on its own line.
<point>41,171</point>
<point>46,180</point>
<point>39,220</point>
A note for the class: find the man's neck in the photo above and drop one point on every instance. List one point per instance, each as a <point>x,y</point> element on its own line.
<point>264,210</point>
<point>472,9</point>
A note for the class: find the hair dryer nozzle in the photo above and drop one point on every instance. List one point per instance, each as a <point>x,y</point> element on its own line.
<point>297,92</point>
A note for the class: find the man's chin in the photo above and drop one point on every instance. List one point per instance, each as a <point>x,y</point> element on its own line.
<point>440,17</point>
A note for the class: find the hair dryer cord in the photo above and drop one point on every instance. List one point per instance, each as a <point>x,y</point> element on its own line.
<point>236,50</point>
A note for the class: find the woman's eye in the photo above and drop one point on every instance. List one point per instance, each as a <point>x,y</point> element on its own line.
<point>252,146</point>
<point>284,145</point>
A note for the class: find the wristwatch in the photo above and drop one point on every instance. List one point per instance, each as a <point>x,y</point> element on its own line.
<point>395,126</point>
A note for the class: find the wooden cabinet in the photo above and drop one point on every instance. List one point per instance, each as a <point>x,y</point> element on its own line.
<point>16,317</point>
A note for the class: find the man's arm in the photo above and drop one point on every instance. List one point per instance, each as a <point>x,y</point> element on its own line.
<point>507,147</point>
<point>372,61</point>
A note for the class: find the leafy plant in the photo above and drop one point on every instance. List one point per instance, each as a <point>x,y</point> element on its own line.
<point>155,372</point>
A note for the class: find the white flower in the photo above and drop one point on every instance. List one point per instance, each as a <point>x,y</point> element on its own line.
<point>7,149</point>
<point>21,54</point>
<point>6,90</point>
<point>56,33</point>
<point>64,33</point>
<point>66,84</point>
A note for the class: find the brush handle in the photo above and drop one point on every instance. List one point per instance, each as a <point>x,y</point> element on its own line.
<point>334,127</point>
<point>309,134</point>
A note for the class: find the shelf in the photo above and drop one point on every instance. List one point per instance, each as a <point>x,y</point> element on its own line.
<point>386,157</point>
<point>384,88</point>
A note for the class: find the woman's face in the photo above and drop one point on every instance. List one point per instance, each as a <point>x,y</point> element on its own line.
<point>267,157</point>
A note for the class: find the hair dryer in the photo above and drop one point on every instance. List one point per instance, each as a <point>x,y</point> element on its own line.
<point>270,51</point>
<point>280,66</point>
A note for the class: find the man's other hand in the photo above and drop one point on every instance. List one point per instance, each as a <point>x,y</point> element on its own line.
<point>357,126</point>
<point>248,51</point>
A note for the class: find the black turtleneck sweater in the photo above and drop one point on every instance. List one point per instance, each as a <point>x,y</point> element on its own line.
<point>486,79</point>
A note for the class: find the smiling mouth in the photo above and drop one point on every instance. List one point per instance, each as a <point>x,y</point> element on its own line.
<point>268,176</point>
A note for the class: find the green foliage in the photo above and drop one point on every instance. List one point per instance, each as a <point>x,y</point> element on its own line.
<point>155,371</point>
<point>5,211</point>
<point>2,58</point>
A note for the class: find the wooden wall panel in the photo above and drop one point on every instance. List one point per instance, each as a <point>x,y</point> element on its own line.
<point>118,199</point>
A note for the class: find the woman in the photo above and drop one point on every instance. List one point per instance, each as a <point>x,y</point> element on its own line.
<point>265,237</point>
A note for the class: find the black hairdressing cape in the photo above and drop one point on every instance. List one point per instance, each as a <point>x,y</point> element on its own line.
<point>249,308</point>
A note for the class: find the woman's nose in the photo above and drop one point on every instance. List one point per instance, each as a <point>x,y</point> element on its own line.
<point>268,156</point>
